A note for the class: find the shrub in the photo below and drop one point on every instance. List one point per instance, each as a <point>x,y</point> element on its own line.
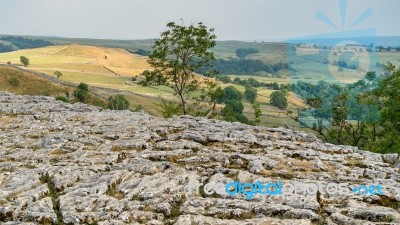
<point>62,98</point>
<point>13,82</point>
<point>118,102</point>
<point>81,94</point>
<point>170,109</point>
<point>83,86</point>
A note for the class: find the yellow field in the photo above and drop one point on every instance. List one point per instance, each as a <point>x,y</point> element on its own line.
<point>78,59</point>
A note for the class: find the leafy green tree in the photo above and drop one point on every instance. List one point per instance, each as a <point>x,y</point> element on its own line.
<point>24,60</point>
<point>279,99</point>
<point>58,74</point>
<point>389,95</point>
<point>253,82</point>
<point>178,53</point>
<point>118,102</point>
<point>231,93</point>
<point>250,94</point>
<point>275,86</point>
<point>237,80</point>
<point>152,78</point>
<point>233,112</point>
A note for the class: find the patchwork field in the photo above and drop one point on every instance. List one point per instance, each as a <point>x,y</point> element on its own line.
<point>108,67</point>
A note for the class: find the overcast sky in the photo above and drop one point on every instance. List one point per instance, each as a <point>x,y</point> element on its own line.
<point>232,19</point>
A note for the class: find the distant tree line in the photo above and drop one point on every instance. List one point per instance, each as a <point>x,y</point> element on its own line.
<point>22,43</point>
<point>142,52</point>
<point>253,83</point>
<point>6,48</point>
<point>388,49</point>
<point>241,53</point>
<point>244,67</point>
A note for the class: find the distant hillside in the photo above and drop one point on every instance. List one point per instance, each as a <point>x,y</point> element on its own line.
<point>82,61</point>
<point>12,43</point>
<point>20,82</point>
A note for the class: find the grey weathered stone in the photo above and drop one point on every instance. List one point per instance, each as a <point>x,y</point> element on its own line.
<point>107,167</point>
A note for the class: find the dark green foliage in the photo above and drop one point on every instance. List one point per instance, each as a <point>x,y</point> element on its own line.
<point>83,86</point>
<point>6,48</point>
<point>243,52</point>
<point>142,52</point>
<point>363,114</point>
<point>370,76</point>
<point>170,109</point>
<point>389,95</point>
<point>278,99</point>
<point>81,94</point>
<point>224,79</point>
<point>233,112</point>
<point>237,80</point>
<point>154,77</point>
<point>250,94</point>
<point>13,82</point>
<point>243,67</point>
<point>232,94</point>
<point>24,60</point>
<point>26,43</point>
<point>255,83</point>
<point>118,102</point>
<point>62,98</point>
<point>275,86</point>
<point>235,106</point>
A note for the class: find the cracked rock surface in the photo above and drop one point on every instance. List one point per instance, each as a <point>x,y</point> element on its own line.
<point>77,164</point>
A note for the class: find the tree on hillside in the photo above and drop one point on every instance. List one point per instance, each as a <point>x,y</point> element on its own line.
<point>24,60</point>
<point>231,93</point>
<point>178,53</point>
<point>389,95</point>
<point>278,99</point>
<point>250,94</point>
<point>58,74</point>
<point>241,53</point>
